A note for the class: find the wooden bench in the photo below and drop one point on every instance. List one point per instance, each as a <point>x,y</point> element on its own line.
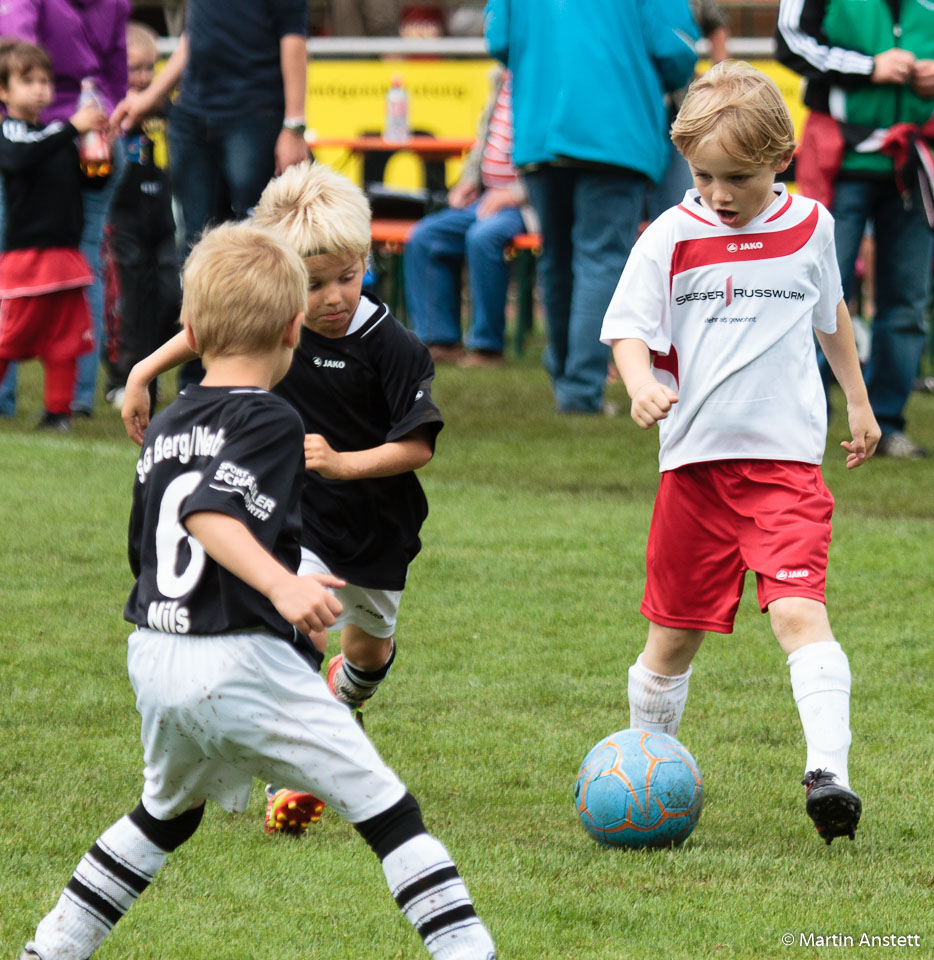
<point>389,238</point>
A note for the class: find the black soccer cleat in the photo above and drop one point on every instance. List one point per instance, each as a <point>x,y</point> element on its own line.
<point>834,808</point>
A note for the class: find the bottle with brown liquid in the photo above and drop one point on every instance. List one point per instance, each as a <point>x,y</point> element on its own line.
<point>94,150</point>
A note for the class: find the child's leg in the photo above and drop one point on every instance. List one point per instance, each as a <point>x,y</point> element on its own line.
<point>59,384</point>
<point>107,882</point>
<point>362,665</point>
<point>426,885</point>
<point>820,681</point>
<point>658,680</point>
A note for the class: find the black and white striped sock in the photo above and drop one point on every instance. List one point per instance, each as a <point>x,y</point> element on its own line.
<point>107,882</point>
<point>354,685</point>
<point>434,899</point>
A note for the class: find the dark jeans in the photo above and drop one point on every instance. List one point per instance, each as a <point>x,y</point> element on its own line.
<point>589,222</point>
<point>904,249</point>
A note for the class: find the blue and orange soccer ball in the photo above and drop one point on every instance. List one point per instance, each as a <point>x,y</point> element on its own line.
<point>639,789</point>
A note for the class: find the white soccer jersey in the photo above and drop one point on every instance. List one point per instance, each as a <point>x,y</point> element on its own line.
<point>728,316</point>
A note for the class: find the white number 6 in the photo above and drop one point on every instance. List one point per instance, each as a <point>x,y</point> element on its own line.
<point>170,534</point>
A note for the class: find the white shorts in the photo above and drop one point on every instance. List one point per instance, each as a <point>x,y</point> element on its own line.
<point>218,711</point>
<point>373,611</point>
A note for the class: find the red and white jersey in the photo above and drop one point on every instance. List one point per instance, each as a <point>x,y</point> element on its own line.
<point>728,315</point>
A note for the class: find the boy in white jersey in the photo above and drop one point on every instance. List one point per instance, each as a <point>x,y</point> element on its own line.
<point>712,328</point>
<point>225,676</point>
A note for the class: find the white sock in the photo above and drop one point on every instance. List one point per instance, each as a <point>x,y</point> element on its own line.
<point>106,883</point>
<point>656,702</point>
<point>434,899</point>
<point>820,682</point>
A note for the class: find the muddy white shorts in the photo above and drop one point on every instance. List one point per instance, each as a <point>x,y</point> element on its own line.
<point>372,610</point>
<point>218,711</point>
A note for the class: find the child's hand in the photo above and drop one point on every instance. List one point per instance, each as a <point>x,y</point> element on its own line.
<point>89,117</point>
<point>651,403</point>
<point>306,602</point>
<point>320,456</point>
<point>135,409</point>
<point>865,432</point>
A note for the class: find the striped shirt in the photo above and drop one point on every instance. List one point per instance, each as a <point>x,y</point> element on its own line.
<point>496,167</point>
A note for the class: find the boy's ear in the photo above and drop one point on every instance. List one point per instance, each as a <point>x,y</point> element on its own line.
<point>293,331</point>
<point>190,336</point>
<point>785,161</point>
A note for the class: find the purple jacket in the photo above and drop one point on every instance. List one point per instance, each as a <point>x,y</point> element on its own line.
<point>83,38</point>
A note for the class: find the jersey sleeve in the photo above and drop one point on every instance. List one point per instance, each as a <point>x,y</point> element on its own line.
<point>640,308</point>
<point>252,475</point>
<point>406,373</point>
<point>22,148</point>
<point>830,284</point>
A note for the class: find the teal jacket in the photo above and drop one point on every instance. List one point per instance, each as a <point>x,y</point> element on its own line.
<point>589,77</point>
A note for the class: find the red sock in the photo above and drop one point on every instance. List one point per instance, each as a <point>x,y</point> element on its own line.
<point>60,378</point>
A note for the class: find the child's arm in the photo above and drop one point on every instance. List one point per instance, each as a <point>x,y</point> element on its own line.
<point>135,409</point>
<point>387,460</point>
<point>840,350</point>
<point>303,601</point>
<point>651,400</point>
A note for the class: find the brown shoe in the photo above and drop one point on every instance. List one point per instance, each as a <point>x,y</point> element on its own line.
<point>482,358</point>
<point>445,352</point>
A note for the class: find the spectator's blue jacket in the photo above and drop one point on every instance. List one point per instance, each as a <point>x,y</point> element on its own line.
<point>589,76</point>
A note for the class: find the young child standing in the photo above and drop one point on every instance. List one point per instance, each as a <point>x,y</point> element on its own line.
<point>362,385</point>
<point>141,236</point>
<point>712,328</point>
<point>43,308</point>
<point>220,661</point>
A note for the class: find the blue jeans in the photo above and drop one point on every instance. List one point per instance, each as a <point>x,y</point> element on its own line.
<point>220,166</point>
<point>96,203</point>
<point>434,256</point>
<point>904,250</point>
<point>589,222</point>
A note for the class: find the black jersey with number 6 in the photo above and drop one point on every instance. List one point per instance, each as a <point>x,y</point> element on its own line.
<point>370,387</point>
<point>231,450</point>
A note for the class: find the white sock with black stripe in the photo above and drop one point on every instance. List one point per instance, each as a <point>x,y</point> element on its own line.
<point>106,883</point>
<point>434,899</point>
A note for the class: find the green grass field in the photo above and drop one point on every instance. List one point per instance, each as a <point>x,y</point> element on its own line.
<point>516,632</point>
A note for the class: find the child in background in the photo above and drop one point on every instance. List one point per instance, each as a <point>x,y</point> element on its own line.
<point>43,308</point>
<point>362,384</point>
<point>223,622</point>
<point>140,238</point>
<point>712,328</point>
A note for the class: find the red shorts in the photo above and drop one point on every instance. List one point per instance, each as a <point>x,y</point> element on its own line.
<point>714,521</point>
<point>52,326</point>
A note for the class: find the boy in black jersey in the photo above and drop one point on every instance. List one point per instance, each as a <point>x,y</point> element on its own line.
<point>220,657</point>
<point>43,308</point>
<point>362,384</point>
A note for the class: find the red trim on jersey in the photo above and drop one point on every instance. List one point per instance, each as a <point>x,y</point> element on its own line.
<point>785,206</point>
<point>668,363</point>
<point>690,213</point>
<point>702,252</point>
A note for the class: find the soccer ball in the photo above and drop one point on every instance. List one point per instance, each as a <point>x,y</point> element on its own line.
<point>639,789</point>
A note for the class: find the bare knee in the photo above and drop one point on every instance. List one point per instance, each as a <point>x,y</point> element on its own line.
<point>797,621</point>
<point>670,650</point>
<point>363,650</point>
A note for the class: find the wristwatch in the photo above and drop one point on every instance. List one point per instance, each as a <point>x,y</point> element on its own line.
<point>295,125</point>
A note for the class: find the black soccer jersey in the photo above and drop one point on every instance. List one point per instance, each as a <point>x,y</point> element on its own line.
<point>231,450</point>
<point>370,387</point>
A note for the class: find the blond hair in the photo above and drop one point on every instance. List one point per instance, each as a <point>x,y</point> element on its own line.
<point>143,37</point>
<point>317,210</point>
<point>241,287</point>
<point>739,108</point>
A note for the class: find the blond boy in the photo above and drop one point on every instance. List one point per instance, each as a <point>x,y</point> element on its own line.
<point>224,673</point>
<point>712,327</point>
<point>362,385</point>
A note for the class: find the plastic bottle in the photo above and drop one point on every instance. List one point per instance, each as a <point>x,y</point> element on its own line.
<point>94,150</point>
<point>397,112</point>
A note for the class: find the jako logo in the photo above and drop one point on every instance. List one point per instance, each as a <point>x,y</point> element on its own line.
<point>791,574</point>
<point>754,245</point>
<point>732,247</point>
<point>336,364</point>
